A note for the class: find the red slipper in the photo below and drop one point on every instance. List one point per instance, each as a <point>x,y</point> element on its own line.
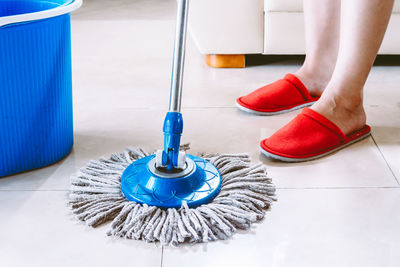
<point>282,96</point>
<point>309,136</point>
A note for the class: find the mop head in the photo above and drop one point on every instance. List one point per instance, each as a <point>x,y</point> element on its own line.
<point>246,193</point>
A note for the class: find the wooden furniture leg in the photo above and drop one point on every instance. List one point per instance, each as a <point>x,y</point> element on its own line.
<point>225,61</point>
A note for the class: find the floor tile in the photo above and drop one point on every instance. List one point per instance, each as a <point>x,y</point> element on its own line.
<point>211,130</point>
<point>103,132</point>
<point>383,110</point>
<point>97,133</point>
<point>308,227</point>
<point>360,165</point>
<point>120,64</point>
<point>126,10</point>
<point>211,87</point>
<point>341,210</point>
<point>39,230</point>
<point>388,141</point>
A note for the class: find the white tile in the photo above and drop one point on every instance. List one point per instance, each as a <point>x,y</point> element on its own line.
<point>122,64</point>
<point>383,110</point>
<point>388,140</point>
<point>211,87</point>
<point>386,132</point>
<point>323,227</point>
<point>126,10</point>
<point>97,133</point>
<point>101,132</point>
<point>39,230</point>
<point>109,130</point>
<point>122,58</point>
<point>359,165</point>
<point>128,64</point>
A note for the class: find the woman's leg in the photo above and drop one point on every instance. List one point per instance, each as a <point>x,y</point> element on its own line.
<point>363,25</point>
<point>322,25</point>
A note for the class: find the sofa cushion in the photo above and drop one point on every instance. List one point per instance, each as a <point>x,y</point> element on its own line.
<point>284,34</point>
<point>283,5</point>
<point>297,6</point>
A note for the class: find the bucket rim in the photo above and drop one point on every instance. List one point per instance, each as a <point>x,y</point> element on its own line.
<point>44,14</point>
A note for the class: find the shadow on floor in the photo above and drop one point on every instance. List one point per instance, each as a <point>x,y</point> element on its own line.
<point>259,60</point>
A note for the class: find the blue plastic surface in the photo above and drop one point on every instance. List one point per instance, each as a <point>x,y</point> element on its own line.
<point>18,7</point>
<point>173,128</point>
<point>139,184</point>
<point>35,88</point>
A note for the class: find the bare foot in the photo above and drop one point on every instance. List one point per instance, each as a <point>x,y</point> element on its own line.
<point>346,112</point>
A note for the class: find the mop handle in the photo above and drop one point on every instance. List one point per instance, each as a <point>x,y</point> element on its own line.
<point>179,56</point>
<point>173,122</point>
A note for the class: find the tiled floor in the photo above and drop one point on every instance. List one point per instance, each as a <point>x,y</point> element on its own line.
<point>342,210</point>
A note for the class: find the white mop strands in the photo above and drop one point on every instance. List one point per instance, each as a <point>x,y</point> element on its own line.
<point>246,193</point>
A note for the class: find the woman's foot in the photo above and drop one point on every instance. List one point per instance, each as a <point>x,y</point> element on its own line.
<point>335,121</point>
<point>282,96</point>
<point>347,112</point>
<point>310,135</point>
<point>293,92</point>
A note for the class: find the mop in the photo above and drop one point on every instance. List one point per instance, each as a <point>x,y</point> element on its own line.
<point>172,197</point>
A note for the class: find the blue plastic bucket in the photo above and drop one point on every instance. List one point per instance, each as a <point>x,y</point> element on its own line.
<point>35,83</point>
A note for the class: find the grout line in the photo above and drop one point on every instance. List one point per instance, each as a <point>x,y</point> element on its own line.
<point>160,109</point>
<point>162,256</point>
<point>387,163</point>
<point>338,187</point>
<point>210,107</point>
<point>277,187</point>
<point>35,190</point>
<point>183,107</point>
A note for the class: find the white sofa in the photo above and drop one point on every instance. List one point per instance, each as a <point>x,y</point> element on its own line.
<point>227,27</point>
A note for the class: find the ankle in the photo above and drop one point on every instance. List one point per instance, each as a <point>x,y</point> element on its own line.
<point>348,115</point>
<point>315,81</point>
<point>350,102</point>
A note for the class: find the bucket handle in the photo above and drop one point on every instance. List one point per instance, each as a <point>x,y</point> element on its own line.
<point>61,10</point>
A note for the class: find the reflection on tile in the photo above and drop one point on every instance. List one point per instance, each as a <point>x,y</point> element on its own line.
<point>97,133</point>
<point>383,110</point>
<point>39,230</point>
<point>388,140</point>
<point>126,10</point>
<point>109,130</point>
<point>120,65</point>
<point>128,64</point>
<point>210,130</point>
<point>310,227</point>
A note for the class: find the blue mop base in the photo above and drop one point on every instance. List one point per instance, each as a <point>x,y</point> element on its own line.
<point>198,184</point>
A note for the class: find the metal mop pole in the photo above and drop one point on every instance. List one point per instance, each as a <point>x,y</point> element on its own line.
<point>179,57</point>
<point>173,123</point>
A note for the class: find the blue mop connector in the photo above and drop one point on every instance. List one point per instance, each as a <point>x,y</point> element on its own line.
<point>173,128</point>
<point>161,180</point>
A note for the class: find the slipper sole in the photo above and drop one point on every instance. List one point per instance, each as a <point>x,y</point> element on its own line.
<point>262,113</point>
